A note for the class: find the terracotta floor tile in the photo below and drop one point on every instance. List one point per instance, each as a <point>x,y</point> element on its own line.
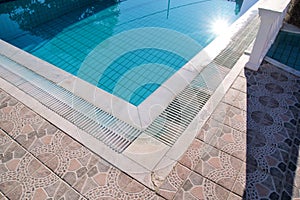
<point>29,178</point>
<point>253,183</point>
<point>174,181</point>
<point>233,196</point>
<point>248,149</point>
<point>224,138</point>
<point>193,154</point>
<point>231,116</point>
<point>240,84</point>
<point>198,187</point>
<point>219,167</point>
<point>230,96</point>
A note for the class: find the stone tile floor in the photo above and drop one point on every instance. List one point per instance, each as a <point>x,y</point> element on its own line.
<point>248,149</point>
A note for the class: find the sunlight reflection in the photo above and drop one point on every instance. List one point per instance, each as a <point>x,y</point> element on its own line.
<point>219,26</point>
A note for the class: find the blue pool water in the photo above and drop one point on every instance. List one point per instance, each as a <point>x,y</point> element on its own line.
<point>286,49</point>
<point>127,48</point>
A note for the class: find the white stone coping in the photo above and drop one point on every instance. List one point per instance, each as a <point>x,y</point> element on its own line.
<point>140,116</point>
<point>282,66</point>
<point>274,6</point>
<point>290,28</point>
<point>146,159</point>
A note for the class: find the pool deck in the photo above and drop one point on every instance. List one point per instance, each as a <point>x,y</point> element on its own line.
<point>248,149</point>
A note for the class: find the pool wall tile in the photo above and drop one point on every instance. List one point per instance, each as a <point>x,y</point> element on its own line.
<point>285,49</point>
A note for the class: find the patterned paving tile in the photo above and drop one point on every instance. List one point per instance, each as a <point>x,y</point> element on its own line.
<point>86,172</point>
<point>230,96</point>
<point>22,176</point>
<point>295,194</point>
<point>240,84</point>
<point>219,167</point>
<point>199,187</point>
<point>273,82</point>
<point>231,116</point>
<point>116,185</point>
<point>241,101</point>
<point>272,123</point>
<point>248,149</point>
<point>268,151</point>
<point>225,138</point>
<point>233,196</point>
<point>212,163</point>
<point>220,112</point>
<point>236,98</point>
<point>272,135</point>
<point>194,154</point>
<point>174,181</point>
<point>253,183</point>
<point>2,197</point>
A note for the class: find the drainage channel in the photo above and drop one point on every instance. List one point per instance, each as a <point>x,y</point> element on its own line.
<point>113,132</point>
<point>116,134</point>
<point>172,122</point>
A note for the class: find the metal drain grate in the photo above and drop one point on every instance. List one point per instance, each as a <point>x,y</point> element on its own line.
<point>118,135</point>
<point>230,55</point>
<point>173,121</point>
<point>170,124</point>
<point>114,133</point>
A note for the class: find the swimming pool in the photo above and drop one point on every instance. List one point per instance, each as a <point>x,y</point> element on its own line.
<point>127,48</point>
<point>286,48</point>
<point>150,137</point>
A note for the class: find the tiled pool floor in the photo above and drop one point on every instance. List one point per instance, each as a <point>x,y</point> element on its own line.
<point>286,49</point>
<point>248,148</point>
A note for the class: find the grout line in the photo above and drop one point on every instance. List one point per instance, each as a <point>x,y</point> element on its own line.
<point>26,150</point>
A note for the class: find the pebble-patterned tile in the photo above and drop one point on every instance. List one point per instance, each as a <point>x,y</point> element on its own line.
<point>174,181</point>
<point>199,187</point>
<point>253,183</point>
<point>225,138</point>
<point>241,101</point>
<point>240,84</point>
<point>212,163</point>
<point>233,196</point>
<point>194,154</point>
<point>248,149</point>
<point>86,172</point>
<point>22,176</point>
<point>2,196</point>
<point>219,167</point>
<point>230,96</point>
<point>231,116</point>
<point>115,185</point>
<point>236,98</point>
<point>272,141</point>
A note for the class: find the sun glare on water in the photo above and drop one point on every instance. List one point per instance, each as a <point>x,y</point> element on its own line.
<point>219,26</point>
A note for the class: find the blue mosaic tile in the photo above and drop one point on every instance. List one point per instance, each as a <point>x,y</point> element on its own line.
<point>286,49</point>
<point>73,31</point>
